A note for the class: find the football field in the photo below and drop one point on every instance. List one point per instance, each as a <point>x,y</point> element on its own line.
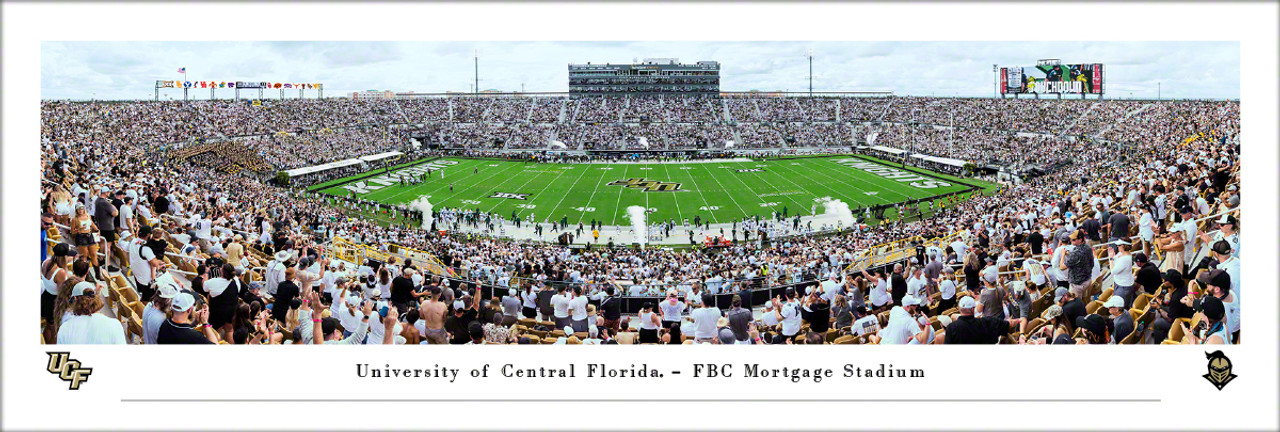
<point>715,191</point>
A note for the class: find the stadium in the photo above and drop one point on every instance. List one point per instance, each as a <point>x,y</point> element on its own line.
<point>643,206</point>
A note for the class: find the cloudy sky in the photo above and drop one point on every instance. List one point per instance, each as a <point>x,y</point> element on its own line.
<point>128,70</point>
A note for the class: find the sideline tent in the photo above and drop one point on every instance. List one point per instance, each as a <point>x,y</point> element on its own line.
<point>339,164</point>
<point>941,160</point>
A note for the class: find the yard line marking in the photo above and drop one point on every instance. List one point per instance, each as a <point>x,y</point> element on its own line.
<point>760,177</point>
<point>387,200</point>
<point>486,182</point>
<point>838,180</point>
<point>593,191</point>
<point>693,180</point>
<point>567,192</point>
<point>454,196</point>
<point>726,192</point>
<point>439,183</point>
<point>619,203</point>
<point>824,185</point>
<point>674,198</point>
<point>526,183</point>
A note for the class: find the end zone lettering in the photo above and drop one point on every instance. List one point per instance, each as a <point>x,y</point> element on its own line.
<point>893,173</point>
<point>379,182</point>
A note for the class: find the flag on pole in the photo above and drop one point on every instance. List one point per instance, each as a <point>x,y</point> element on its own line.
<point>182,70</point>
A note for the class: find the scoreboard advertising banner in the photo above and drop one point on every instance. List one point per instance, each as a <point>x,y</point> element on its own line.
<point>1061,78</point>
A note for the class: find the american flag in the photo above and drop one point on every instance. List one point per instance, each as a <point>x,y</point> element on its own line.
<point>182,70</point>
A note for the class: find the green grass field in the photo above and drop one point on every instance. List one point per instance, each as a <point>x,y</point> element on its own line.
<point>717,191</point>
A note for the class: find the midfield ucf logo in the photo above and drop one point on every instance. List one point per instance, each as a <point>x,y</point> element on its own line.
<point>647,185</point>
<point>68,369</point>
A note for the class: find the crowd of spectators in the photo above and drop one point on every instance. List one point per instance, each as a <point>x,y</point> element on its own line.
<point>208,251</point>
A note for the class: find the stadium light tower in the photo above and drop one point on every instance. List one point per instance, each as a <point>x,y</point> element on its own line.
<point>477,56</point>
<point>810,72</point>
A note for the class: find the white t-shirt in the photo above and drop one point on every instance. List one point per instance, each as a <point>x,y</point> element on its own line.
<point>1232,267</point>
<point>948,288</point>
<point>866,325</point>
<point>1122,270</point>
<point>769,318</point>
<point>704,322</point>
<point>901,329</point>
<point>671,312</point>
<point>139,261</point>
<point>560,304</point>
<point>791,318</point>
<point>915,287</point>
<point>94,329</point>
<point>880,294</point>
<point>579,307</point>
<point>530,299</point>
<point>216,286</point>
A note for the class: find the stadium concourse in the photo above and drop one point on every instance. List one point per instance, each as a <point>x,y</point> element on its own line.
<point>160,226</point>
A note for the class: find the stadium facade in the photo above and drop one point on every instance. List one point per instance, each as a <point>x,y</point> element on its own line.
<point>652,76</point>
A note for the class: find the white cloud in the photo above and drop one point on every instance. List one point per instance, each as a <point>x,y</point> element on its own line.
<point>127,70</point>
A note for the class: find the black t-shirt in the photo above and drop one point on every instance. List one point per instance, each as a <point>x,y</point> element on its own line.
<point>899,288</point>
<point>1119,225</point>
<point>174,333</point>
<point>285,293</point>
<point>1091,227</point>
<point>1221,177</point>
<point>970,330</point>
<point>544,301</point>
<point>1073,309</point>
<point>102,214</point>
<point>972,280</point>
<point>1037,241</point>
<point>401,290</point>
<point>611,308</point>
<point>1148,277</point>
<point>818,316</point>
<point>457,328</point>
<point>118,203</point>
<point>1176,308</point>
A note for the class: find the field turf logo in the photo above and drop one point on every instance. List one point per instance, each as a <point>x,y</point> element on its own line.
<point>506,195</point>
<point>647,185</point>
<point>750,170</point>
<point>893,173</point>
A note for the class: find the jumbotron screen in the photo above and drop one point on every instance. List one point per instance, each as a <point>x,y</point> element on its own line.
<point>1052,78</point>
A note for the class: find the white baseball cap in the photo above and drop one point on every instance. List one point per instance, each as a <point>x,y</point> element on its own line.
<point>84,288</point>
<point>458,304</point>
<point>1114,302</point>
<point>353,301</point>
<point>183,302</point>
<point>166,288</point>
<point>968,303</point>
<point>910,301</point>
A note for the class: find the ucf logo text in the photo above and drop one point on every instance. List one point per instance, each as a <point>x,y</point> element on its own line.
<point>68,369</point>
<point>647,185</point>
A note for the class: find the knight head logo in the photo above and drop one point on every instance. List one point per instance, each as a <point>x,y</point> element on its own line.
<point>1219,369</point>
